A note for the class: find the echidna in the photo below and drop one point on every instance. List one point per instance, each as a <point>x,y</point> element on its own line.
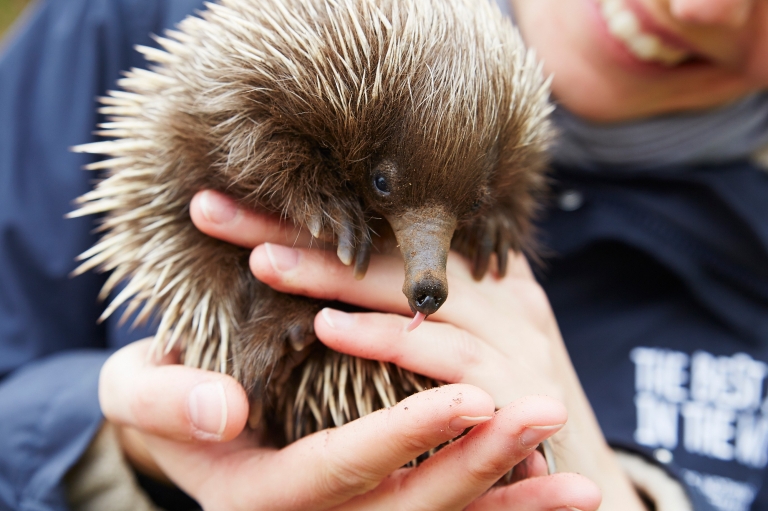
<point>422,119</point>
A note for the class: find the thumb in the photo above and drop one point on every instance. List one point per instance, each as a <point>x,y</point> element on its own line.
<point>170,401</point>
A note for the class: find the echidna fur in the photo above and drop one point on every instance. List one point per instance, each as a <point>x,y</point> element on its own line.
<point>288,105</point>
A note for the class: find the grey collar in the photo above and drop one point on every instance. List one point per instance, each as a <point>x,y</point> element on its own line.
<point>736,131</point>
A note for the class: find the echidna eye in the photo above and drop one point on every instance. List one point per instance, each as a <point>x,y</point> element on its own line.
<point>475,206</point>
<point>381,184</point>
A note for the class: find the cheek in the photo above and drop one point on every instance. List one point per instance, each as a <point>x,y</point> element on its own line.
<point>757,64</point>
<point>591,78</point>
<point>725,13</point>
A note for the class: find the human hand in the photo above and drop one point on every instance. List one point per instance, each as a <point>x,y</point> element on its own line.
<point>498,334</point>
<point>219,216</point>
<point>192,428</point>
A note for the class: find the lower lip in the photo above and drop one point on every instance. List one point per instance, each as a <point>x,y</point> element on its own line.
<point>619,53</point>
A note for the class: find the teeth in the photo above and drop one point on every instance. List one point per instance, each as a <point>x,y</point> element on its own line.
<point>624,25</point>
<point>612,7</point>
<point>645,46</point>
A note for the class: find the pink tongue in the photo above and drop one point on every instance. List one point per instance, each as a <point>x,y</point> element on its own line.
<point>417,319</point>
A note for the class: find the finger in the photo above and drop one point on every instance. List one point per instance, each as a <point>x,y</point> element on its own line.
<point>465,469</point>
<point>437,350</point>
<point>533,466</point>
<point>331,466</point>
<point>556,492</point>
<point>171,401</point>
<point>518,266</point>
<point>220,216</point>
<point>320,274</point>
<point>444,352</point>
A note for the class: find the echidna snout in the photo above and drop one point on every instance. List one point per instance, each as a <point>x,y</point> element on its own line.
<point>424,236</point>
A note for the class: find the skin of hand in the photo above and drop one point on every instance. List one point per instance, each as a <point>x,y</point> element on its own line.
<point>498,334</point>
<point>192,432</point>
<point>353,467</point>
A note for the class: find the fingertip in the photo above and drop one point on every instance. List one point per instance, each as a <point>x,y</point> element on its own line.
<point>260,264</point>
<point>185,403</point>
<point>348,332</point>
<point>210,211</point>
<point>556,492</point>
<point>116,377</point>
<point>196,211</point>
<point>367,334</point>
<point>536,411</point>
<point>222,217</point>
<point>458,400</point>
<point>338,320</point>
<point>576,491</point>
<point>518,266</point>
<point>238,409</point>
<point>217,409</point>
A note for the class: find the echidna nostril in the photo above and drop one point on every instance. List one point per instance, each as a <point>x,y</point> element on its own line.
<point>428,297</point>
<point>426,304</point>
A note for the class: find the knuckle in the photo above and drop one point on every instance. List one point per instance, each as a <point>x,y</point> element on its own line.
<point>465,346</point>
<point>345,475</point>
<point>538,298</point>
<point>416,444</point>
<point>414,440</point>
<point>533,299</point>
<point>388,339</point>
<point>480,473</point>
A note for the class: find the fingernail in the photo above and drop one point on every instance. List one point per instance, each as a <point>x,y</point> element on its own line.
<point>462,422</point>
<point>216,209</point>
<point>208,409</point>
<point>534,435</point>
<point>567,509</point>
<point>281,258</point>
<point>338,320</point>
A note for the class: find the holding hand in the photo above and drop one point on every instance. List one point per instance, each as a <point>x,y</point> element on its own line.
<point>356,466</point>
<point>189,427</point>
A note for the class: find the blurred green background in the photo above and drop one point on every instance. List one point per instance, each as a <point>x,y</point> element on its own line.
<point>9,10</point>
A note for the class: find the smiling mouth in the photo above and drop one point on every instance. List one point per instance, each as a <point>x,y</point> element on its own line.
<point>625,26</point>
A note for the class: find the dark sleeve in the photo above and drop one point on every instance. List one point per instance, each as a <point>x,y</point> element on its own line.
<point>51,348</point>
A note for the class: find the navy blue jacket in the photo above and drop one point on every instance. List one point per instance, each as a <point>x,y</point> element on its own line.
<point>66,54</point>
<point>659,281</point>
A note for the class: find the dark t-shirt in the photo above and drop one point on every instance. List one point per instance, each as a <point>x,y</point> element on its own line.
<point>660,285</point>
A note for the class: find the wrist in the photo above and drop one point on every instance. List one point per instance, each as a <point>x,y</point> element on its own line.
<point>581,447</point>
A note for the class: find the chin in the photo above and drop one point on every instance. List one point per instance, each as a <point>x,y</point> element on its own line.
<point>606,94</point>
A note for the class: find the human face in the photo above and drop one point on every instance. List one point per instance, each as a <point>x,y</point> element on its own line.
<point>617,60</point>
